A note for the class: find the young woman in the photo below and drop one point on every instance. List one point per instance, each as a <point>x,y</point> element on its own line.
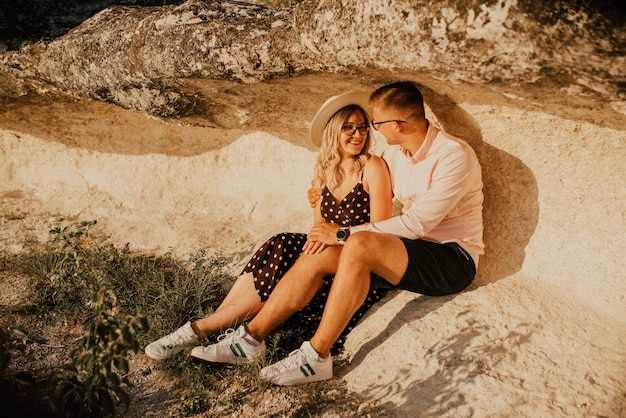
<point>356,189</point>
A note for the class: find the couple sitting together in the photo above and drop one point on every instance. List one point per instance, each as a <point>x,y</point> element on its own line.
<point>356,249</point>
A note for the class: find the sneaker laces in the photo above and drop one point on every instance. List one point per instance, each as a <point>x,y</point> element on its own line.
<point>227,334</point>
<point>296,358</point>
<point>175,338</point>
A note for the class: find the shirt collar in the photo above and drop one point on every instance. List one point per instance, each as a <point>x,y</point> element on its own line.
<point>422,151</point>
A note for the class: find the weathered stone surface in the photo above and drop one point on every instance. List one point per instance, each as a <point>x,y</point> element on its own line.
<point>514,40</point>
<point>133,56</point>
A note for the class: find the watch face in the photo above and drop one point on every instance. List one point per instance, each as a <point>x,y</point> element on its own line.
<point>341,234</point>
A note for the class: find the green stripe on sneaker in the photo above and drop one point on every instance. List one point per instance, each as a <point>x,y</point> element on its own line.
<point>239,351</point>
<point>311,372</point>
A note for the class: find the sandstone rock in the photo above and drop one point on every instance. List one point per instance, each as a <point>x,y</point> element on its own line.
<point>134,56</point>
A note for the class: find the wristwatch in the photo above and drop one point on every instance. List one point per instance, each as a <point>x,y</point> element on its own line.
<point>342,235</point>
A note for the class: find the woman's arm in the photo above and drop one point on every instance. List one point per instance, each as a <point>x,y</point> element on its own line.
<point>312,247</point>
<point>377,183</point>
<point>317,215</point>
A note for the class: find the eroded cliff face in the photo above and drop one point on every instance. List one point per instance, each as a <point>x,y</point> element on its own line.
<point>135,56</point>
<point>513,40</point>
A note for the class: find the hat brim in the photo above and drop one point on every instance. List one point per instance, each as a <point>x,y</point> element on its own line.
<point>332,106</point>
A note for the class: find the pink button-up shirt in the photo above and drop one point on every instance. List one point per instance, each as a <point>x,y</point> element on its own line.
<point>441,190</point>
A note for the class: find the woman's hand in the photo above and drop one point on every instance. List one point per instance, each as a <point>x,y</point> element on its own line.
<point>324,232</point>
<point>314,247</point>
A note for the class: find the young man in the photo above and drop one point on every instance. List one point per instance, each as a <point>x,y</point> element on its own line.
<point>431,248</point>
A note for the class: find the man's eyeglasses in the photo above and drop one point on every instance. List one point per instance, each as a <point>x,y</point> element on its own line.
<point>376,125</point>
<point>350,130</point>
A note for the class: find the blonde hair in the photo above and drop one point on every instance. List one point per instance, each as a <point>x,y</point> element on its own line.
<point>328,158</point>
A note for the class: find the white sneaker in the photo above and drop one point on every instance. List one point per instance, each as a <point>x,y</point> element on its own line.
<point>231,348</point>
<point>302,366</point>
<point>172,344</point>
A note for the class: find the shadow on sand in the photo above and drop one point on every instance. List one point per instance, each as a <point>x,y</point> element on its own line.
<point>510,214</point>
<point>511,208</point>
<point>460,358</point>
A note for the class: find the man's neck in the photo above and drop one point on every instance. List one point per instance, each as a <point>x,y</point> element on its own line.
<point>417,138</point>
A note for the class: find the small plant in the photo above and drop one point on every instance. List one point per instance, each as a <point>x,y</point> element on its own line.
<point>64,273</point>
<point>94,386</point>
<point>72,272</point>
<point>70,235</point>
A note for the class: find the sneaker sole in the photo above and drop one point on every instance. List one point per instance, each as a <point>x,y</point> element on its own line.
<point>308,376</point>
<point>158,357</point>
<point>297,381</point>
<point>236,360</point>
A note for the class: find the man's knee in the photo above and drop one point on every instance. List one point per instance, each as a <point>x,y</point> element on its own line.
<point>373,251</point>
<point>357,245</point>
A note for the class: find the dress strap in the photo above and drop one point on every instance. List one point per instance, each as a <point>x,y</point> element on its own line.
<point>363,170</point>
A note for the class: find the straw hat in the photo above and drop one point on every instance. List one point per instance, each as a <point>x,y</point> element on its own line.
<point>332,106</point>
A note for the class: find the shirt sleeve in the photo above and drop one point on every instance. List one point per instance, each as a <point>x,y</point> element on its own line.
<point>448,184</point>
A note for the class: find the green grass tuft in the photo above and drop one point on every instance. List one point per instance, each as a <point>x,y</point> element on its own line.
<point>126,300</point>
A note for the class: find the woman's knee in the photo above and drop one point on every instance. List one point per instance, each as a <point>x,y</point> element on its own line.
<point>322,263</point>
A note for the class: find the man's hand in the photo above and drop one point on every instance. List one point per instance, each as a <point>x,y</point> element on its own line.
<point>314,194</point>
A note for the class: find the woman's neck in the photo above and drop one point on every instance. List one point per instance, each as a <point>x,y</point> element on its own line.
<point>345,163</point>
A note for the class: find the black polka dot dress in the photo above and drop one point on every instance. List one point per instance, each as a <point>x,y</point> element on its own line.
<point>272,260</point>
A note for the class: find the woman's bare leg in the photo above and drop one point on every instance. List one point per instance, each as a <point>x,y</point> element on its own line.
<point>297,287</point>
<point>242,302</point>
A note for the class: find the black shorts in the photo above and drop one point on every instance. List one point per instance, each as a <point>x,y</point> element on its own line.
<point>434,269</point>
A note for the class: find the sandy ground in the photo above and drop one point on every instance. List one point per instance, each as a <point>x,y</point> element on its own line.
<point>541,332</point>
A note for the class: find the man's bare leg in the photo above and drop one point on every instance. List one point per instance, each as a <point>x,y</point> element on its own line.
<point>297,287</point>
<point>364,252</point>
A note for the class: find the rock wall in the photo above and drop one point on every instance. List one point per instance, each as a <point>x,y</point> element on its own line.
<point>133,56</point>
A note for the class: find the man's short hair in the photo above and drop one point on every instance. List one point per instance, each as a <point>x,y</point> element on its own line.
<point>403,96</point>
